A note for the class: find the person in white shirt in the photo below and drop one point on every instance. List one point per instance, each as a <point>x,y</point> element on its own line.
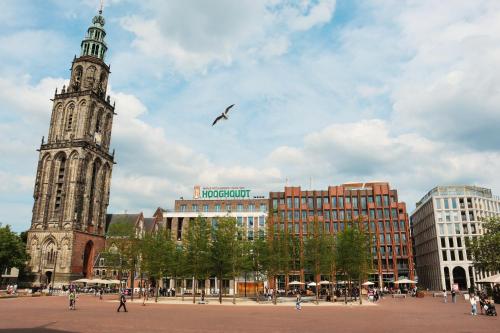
<point>473,303</point>
<point>445,295</point>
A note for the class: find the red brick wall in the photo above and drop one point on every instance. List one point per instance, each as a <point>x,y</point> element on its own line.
<point>79,243</point>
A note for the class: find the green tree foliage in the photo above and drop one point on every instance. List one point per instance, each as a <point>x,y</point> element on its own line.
<point>319,254</point>
<point>197,251</point>
<point>12,250</point>
<point>124,247</point>
<point>257,257</point>
<point>485,248</point>
<point>228,254</point>
<point>352,255</point>
<point>157,254</point>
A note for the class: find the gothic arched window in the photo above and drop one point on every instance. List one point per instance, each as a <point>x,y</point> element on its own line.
<point>69,121</point>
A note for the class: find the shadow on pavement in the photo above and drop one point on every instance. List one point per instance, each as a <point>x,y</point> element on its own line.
<point>39,329</point>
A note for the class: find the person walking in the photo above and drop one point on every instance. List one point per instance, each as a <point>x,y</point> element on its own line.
<point>297,302</point>
<point>123,300</point>
<point>482,301</point>
<point>72,300</point>
<point>453,295</point>
<point>100,293</point>
<point>473,303</point>
<point>445,296</point>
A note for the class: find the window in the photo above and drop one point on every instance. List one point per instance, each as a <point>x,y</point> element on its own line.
<point>402,225</point>
<point>363,202</point>
<point>349,215</point>
<point>239,207</point>
<point>217,207</point>
<point>183,208</point>
<point>304,215</point>
<point>289,202</point>
<point>275,203</point>
<point>460,255</point>
<point>381,238</point>
<point>459,242</point>
<point>310,203</point>
<point>347,200</point>
<point>379,214</point>
<point>449,228</point>
<point>341,215</point>
<point>445,258</point>
<point>394,213</point>
<point>296,215</point>
<point>457,228</point>
<point>450,241</point>
<point>263,207</point>
<point>438,203</point>
<point>454,203</point>
<point>296,202</point>
<point>289,215</point>
<point>250,235</point>
<point>250,221</point>
<point>341,202</point>
<point>386,213</point>
<point>205,208</point>
<point>386,200</point>
<point>443,242</point>
<point>239,221</point>
<point>326,200</point>
<point>452,255</point>
<point>370,199</point>
<point>446,203</point>
<point>251,207</point>
<point>297,228</point>
<point>355,203</point>
<point>319,203</point>
<point>372,214</point>
<point>304,227</point>
<point>327,215</point>
<point>395,225</point>
<point>334,215</point>
<point>334,201</point>
<point>378,200</point>
<point>262,221</point>
<point>194,207</point>
<point>396,238</point>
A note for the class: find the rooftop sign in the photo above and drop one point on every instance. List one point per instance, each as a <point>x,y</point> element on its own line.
<point>221,193</point>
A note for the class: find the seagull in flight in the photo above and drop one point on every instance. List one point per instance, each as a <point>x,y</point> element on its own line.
<point>223,115</point>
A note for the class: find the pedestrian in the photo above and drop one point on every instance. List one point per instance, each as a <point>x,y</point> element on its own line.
<point>123,300</point>
<point>144,299</point>
<point>100,294</point>
<point>297,302</point>
<point>482,301</point>
<point>72,300</point>
<point>473,304</point>
<point>453,296</point>
<point>445,296</point>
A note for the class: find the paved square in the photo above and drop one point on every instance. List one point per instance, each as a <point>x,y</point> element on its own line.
<point>427,315</point>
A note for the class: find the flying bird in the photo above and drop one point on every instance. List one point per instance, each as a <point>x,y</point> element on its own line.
<point>223,115</point>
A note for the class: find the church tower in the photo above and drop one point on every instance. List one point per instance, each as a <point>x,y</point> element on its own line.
<point>72,184</point>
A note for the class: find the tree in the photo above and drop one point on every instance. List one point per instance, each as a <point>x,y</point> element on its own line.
<point>257,260</point>
<point>124,249</point>
<point>318,253</point>
<point>197,250</point>
<point>12,250</point>
<point>353,254</point>
<point>484,248</point>
<point>157,251</point>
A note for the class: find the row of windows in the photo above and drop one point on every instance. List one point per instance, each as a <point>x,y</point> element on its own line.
<point>450,255</point>
<point>260,220</point>
<point>451,242</point>
<point>455,203</point>
<point>297,202</point>
<point>454,229</point>
<point>383,237</point>
<point>338,214</point>
<point>228,207</point>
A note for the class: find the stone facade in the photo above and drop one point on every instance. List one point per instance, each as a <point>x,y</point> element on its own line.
<point>71,193</point>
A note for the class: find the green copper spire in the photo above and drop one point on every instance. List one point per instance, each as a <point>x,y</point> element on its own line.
<point>93,44</point>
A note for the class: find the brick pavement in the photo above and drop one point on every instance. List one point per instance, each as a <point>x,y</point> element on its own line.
<point>427,315</point>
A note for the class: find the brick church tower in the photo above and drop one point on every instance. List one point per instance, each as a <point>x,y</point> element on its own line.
<point>74,170</point>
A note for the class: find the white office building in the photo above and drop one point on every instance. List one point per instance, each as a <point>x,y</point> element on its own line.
<point>443,219</point>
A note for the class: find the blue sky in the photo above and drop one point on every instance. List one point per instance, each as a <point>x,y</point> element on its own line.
<point>333,91</point>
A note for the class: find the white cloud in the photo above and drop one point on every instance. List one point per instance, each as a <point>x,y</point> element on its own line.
<point>191,35</point>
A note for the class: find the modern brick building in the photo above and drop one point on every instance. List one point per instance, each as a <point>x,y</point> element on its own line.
<point>383,216</point>
<point>441,222</point>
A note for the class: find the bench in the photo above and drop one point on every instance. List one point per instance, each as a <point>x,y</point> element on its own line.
<point>398,295</point>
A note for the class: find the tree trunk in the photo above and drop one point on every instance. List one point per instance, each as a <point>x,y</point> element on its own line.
<point>132,275</point>
<point>360,293</point>
<point>234,290</point>
<point>157,289</point>
<point>220,290</point>
<point>182,288</point>
<point>194,290</point>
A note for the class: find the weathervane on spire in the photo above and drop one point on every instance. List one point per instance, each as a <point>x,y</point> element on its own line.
<point>100,8</point>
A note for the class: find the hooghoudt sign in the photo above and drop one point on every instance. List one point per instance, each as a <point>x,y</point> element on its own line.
<point>221,193</point>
